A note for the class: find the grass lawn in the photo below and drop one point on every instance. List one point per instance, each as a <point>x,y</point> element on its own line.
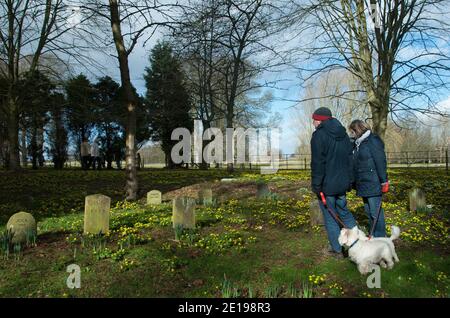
<point>242,247</point>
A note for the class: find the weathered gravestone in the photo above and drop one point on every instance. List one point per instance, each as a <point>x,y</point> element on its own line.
<point>417,200</point>
<point>315,214</point>
<point>227,180</point>
<point>96,214</point>
<point>205,196</point>
<point>262,190</point>
<point>303,192</point>
<point>23,228</point>
<point>154,197</point>
<point>183,213</point>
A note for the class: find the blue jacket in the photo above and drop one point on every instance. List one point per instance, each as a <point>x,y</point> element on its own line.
<point>331,152</point>
<point>369,162</point>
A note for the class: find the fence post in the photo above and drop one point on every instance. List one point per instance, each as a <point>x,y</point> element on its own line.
<point>407,160</point>
<point>287,163</point>
<point>305,163</point>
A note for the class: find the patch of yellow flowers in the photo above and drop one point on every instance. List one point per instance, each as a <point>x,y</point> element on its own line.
<point>336,289</point>
<point>127,264</point>
<point>317,279</point>
<point>416,228</point>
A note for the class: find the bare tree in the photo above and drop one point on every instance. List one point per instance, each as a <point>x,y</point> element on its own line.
<point>131,22</point>
<point>227,43</point>
<point>27,29</point>
<point>332,90</point>
<point>397,50</point>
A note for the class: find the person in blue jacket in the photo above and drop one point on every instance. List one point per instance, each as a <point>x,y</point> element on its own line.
<point>370,173</point>
<point>331,173</point>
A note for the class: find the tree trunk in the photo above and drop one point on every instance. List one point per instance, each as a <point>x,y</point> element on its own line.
<point>131,186</point>
<point>109,150</point>
<point>13,135</point>
<point>34,147</point>
<point>40,143</point>
<point>379,108</point>
<point>203,164</point>
<point>230,165</point>
<point>24,147</point>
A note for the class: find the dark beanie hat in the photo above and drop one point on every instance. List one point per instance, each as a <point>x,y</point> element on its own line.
<point>322,113</point>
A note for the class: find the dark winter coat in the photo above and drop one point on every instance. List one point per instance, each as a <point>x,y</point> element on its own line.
<point>369,162</point>
<point>331,153</point>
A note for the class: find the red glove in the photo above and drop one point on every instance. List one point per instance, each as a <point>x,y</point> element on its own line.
<point>322,196</point>
<point>385,187</point>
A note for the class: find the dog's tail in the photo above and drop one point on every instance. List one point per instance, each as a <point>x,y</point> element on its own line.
<point>395,232</point>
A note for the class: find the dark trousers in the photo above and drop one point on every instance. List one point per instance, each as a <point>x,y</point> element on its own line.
<point>96,163</point>
<point>371,206</point>
<point>85,162</point>
<point>338,205</point>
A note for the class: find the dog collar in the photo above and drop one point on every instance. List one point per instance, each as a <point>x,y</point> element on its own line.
<point>353,244</point>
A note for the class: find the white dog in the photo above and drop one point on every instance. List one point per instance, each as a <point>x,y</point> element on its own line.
<point>366,252</point>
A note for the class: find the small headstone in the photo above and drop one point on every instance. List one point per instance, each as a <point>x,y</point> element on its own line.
<point>96,214</point>
<point>227,180</point>
<point>262,190</point>
<point>205,196</point>
<point>303,191</point>
<point>417,200</point>
<point>23,227</point>
<point>183,212</point>
<point>315,214</point>
<point>154,197</point>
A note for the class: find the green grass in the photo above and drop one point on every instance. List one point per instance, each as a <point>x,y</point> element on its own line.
<point>240,248</point>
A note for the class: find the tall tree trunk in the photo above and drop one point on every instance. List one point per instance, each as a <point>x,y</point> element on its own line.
<point>13,135</point>
<point>379,108</point>
<point>203,164</point>
<point>24,146</point>
<point>109,150</point>
<point>131,186</point>
<point>34,147</point>
<point>40,142</point>
<point>379,117</point>
<point>230,113</point>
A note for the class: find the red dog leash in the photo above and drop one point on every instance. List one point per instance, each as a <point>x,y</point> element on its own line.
<point>384,189</point>
<point>333,214</point>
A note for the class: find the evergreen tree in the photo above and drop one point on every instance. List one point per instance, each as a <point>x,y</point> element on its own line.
<point>57,136</point>
<point>108,115</point>
<point>37,89</point>
<point>80,107</point>
<point>167,98</point>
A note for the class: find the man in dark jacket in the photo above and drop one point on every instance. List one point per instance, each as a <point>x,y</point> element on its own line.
<point>331,172</point>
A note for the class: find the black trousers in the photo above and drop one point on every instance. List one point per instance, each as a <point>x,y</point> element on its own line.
<point>96,163</point>
<point>85,162</point>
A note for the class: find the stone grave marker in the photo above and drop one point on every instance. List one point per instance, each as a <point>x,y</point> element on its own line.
<point>154,197</point>
<point>205,196</point>
<point>417,200</point>
<point>23,228</point>
<point>96,214</point>
<point>183,212</point>
<point>262,190</point>
<point>315,214</point>
<point>227,180</point>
